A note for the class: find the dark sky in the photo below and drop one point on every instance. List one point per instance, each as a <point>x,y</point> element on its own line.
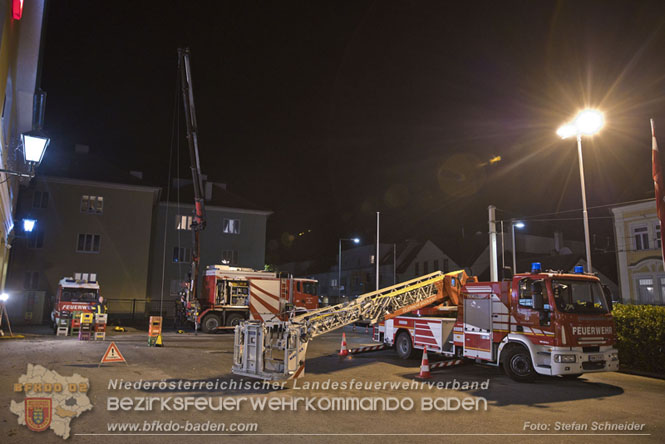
<point>327,112</point>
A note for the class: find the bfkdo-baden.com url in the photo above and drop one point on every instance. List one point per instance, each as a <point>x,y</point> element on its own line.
<point>157,426</point>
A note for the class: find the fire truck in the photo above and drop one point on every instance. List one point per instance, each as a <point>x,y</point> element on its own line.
<point>548,323</point>
<point>75,295</point>
<point>234,294</point>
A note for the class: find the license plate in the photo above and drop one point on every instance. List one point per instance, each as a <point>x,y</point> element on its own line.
<point>595,358</point>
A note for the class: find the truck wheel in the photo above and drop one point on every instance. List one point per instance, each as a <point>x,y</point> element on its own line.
<point>234,319</point>
<point>210,323</point>
<point>404,346</point>
<point>517,364</point>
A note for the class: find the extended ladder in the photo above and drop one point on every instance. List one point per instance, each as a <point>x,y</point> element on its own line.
<point>276,349</point>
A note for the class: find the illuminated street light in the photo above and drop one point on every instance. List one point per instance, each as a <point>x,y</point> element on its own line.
<point>4,297</point>
<point>587,123</point>
<point>515,224</point>
<point>29,225</point>
<point>355,240</point>
<point>34,146</point>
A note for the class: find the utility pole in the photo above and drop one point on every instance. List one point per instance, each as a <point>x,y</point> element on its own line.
<point>494,273</point>
<point>377,250</point>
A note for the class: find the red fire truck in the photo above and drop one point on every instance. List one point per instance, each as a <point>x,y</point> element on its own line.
<point>232,294</point>
<point>548,323</point>
<point>74,296</point>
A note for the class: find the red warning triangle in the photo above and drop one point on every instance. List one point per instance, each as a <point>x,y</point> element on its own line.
<point>112,354</point>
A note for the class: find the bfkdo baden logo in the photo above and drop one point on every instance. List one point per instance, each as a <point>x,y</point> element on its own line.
<point>51,401</point>
<point>37,413</point>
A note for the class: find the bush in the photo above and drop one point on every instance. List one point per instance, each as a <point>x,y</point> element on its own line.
<point>641,336</point>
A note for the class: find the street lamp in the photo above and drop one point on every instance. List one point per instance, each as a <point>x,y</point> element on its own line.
<point>355,240</point>
<point>34,146</point>
<point>29,225</point>
<point>587,123</point>
<point>515,224</point>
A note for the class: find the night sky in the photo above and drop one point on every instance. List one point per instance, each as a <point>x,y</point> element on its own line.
<point>326,112</point>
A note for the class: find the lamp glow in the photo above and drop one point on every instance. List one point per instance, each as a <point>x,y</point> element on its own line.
<point>519,225</point>
<point>589,122</point>
<point>356,240</point>
<point>29,225</point>
<point>4,297</point>
<point>34,146</point>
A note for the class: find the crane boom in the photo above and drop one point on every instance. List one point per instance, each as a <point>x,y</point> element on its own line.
<point>276,349</point>
<point>199,219</point>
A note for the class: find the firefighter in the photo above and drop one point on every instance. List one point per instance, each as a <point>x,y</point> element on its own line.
<point>99,307</point>
<point>180,311</point>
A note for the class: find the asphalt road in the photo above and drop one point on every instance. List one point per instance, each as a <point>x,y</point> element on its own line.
<point>514,412</point>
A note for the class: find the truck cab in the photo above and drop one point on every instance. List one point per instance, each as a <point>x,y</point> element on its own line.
<point>75,295</point>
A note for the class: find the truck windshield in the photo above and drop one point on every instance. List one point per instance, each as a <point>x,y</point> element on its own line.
<point>577,296</point>
<point>78,295</point>
<point>310,287</point>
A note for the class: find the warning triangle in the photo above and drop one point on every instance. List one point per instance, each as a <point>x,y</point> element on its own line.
<point>112,355</point>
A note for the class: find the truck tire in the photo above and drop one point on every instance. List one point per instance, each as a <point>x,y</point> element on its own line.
<point>234,319</point>
<point>210,323</point>
<point>404,346</point>
<point>517,364</point>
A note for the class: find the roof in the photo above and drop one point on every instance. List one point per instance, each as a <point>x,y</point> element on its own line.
<point>221,197</point>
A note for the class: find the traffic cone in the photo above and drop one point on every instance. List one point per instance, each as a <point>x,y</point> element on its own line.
<point>424,366</point>
<point>159,343</point>
<point>343,350</point>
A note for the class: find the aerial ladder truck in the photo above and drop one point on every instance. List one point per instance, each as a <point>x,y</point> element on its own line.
<point>275,350</point>
<point>540,322</point>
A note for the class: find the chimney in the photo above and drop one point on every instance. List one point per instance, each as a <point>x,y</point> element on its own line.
<point>208,190</point>
<point>558,241</point>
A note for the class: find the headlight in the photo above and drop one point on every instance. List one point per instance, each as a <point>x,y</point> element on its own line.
<point>614,356</point>
<point>564,358</point>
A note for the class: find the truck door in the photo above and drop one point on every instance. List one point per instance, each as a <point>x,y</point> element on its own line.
<point>478,326</point>
<point>529,320</point>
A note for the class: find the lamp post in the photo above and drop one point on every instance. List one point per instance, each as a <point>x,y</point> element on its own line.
<point>355,240</point>
<point>587,123</point>
<point>520,225</point>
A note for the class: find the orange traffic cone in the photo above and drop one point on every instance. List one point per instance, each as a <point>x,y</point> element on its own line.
<point>424,366</point>
<point>343,351</point>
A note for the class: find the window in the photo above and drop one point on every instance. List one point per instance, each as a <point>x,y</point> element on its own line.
<point>425,267</point>
<point>641,236</point>
<point>40,199</point>
<point>92,204</point>
<point>182,254</point>
<point>333,283</point>
<point>657,231</point>
<point>88,243</point>
<point>417,269</point>
<point>231,226</point>
<point>436,264</point>
<point>183,222</point>
<point>91,277</point>
<point>646,291</point>
<point>230,257</point>
<point>446,265</point>
<point>31,280</point>
<point>35,239</point>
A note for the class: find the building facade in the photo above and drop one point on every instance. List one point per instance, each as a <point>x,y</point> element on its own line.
<point>20,45</point>
<point>82,227</point>
<point>639,256</point>
<point>235,234</point>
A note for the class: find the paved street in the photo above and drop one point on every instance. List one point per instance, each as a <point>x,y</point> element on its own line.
<point>546,404</point>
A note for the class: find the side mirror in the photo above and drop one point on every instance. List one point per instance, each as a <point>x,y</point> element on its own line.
<point>608,297</point>
<point>507,274</point>
<point>537,301</point>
